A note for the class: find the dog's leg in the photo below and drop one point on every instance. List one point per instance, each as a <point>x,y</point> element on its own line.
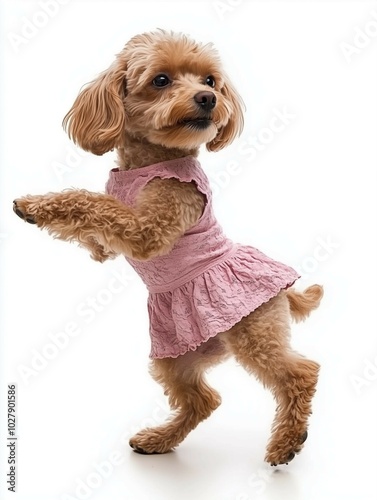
<point>73,215</point>
<point>190,397</point>
<point>260,343</point>
<point>109,227</point>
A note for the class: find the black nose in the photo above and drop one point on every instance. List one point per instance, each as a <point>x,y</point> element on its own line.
<point>205,100</point>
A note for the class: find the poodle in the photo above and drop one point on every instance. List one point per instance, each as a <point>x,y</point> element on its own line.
<point>163,97</point>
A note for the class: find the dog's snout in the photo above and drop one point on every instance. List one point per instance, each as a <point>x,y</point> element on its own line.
<point>206,100</point>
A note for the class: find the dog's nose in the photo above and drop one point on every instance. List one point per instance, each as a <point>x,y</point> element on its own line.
<point>206,100</point>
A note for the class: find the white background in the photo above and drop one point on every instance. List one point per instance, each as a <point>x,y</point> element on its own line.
<point>307,198</point>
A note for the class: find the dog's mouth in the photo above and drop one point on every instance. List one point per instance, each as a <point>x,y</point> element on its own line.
<point>196,123</point>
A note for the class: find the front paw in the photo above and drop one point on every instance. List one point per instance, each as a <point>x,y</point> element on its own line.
<point>22,208</point>
<point>43,210</point>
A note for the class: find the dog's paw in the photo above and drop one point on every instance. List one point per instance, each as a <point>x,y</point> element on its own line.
<point>36,209</point>
<point>280,455</point>
<point>20,208</point>
<point>150,442</point>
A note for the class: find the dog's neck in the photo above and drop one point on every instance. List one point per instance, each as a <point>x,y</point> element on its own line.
<point>137,153</point>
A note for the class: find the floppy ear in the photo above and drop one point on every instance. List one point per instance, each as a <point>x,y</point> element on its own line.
<point>97,118</point>
<point>234,126</point>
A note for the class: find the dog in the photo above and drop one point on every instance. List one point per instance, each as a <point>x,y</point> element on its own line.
<point>163,97</point>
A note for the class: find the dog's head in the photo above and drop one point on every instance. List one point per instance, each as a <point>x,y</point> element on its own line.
<point>163,87</point>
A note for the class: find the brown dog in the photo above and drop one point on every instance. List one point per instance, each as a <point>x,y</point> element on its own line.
<point>162,98</point>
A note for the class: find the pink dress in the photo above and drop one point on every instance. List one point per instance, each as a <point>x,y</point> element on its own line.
<point>207,283</point>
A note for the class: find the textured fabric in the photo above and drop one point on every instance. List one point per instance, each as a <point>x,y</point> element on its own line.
<point>206,284</point>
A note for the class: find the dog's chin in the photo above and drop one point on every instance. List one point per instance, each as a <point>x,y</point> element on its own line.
<point>186,134</point>
<point>195,123</point>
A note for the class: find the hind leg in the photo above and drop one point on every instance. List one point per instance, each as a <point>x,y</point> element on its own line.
<point>260,343</point>
<point>191,398</point>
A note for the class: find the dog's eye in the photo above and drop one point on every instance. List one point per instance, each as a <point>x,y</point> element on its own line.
<point>210,81</point>
<point>161,81</point>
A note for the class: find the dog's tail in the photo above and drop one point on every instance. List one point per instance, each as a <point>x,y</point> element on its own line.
<point>301,304</point>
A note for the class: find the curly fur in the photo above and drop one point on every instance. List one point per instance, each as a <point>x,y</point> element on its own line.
<point>123,109</point>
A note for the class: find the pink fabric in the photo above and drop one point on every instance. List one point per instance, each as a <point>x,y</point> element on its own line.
<point>206,284</point>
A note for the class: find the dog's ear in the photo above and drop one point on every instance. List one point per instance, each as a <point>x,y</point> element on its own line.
<point>97,118</point>
<point>234,126</point>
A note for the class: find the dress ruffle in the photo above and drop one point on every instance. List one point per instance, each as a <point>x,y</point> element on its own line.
<point>214,301</point>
